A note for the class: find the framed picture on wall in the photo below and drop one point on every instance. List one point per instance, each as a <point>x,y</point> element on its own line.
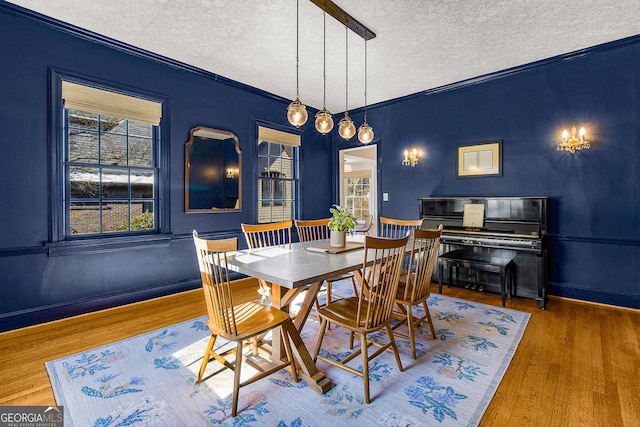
<point>484,159</point>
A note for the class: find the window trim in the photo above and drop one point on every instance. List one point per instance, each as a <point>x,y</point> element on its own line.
<point>287,136</point>
<point>57,239</point>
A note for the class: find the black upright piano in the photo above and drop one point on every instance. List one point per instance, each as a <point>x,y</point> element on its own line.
<point>515,223</point>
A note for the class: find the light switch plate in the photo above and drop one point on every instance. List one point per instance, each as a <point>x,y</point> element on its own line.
<point>385,197</point>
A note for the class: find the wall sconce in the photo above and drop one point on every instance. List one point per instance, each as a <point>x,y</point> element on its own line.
<point>232,172</point>
<point>410,158</point>
<point>573,143</point>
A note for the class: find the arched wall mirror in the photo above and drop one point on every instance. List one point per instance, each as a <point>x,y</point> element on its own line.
<point>213,171</point>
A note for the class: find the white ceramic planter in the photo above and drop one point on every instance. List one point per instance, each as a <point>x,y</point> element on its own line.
<point>338,238</point>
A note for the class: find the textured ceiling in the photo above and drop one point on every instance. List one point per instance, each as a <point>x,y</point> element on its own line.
<point>420,44</point>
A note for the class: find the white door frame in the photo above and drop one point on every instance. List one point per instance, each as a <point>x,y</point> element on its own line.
<point>361,158</point>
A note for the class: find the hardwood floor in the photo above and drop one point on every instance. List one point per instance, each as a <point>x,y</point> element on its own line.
<point>577,364</point>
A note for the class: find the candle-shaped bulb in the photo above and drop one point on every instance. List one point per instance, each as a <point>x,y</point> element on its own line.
<point>406,155</point>
<point>583,132</point>
<point>565,135</point>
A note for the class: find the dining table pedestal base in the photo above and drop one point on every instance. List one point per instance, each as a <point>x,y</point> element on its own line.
<point>281,298</point>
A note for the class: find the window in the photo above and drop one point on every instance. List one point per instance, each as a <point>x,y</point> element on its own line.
<point>272,189</point>
<point>358,196</point>
<point>277,178</point>
<point>110,168</point>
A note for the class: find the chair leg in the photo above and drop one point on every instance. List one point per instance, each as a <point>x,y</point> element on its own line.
<point>353,285</point>
<point>365,366</point>
<point>355,294</point>
<point>394,347</point>
<point>207,356</point>
<point>236,379</point>
<point>329,286</point>
<point>255,346</point>
<point>321,331</point>
<point>328,298</point>
<point>412,331</point>
<point>427,314</point>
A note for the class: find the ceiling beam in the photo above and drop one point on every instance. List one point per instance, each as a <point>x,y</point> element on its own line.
<point>344,18</point>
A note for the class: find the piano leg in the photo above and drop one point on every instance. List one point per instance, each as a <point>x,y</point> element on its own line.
<point>542,282</point>
<point>542,301</point>
<point>441,274</point>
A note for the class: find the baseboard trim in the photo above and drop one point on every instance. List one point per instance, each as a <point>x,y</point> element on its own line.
<point>105,305</point>
<point>593,296</point>
<point>57,312</point>
<point>599,304</point>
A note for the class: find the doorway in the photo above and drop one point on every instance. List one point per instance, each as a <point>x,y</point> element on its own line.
<point>358,183</point>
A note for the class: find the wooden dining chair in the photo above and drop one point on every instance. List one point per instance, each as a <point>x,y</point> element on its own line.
<point>369,311</point>
<point>265,235</point>
<point>395,228</point>
<point>318,229</point>
<point>235,323</point>
<point>415,285</point>
<point>270,234</point>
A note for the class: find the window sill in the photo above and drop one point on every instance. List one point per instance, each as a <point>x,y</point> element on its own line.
<point>110,244</point>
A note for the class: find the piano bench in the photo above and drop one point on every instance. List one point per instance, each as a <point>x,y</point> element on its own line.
<point>498,261</point>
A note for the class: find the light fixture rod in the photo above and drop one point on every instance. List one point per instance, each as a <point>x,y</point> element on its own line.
<point>344,18</point>
<point>297,48</point>
<point>324,59</point>
<point>365,81</point>
<point>346,83</point>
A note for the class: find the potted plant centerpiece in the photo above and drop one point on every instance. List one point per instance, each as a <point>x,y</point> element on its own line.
<point>341,222</point>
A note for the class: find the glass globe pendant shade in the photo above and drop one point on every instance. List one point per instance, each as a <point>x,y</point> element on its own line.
<point>365,133</point>
<point>297,113</point>
<point>346,128</point>
<point>324,122</point>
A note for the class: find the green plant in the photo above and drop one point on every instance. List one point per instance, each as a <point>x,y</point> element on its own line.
<point>341,219</point>
<point>139,222</point>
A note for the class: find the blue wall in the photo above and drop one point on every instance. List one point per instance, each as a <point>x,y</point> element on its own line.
<point>34,286</point>
<point>594,222</point>
<point>594,232</point>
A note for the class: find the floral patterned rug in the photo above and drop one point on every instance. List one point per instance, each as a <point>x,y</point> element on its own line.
<point>149,380</point>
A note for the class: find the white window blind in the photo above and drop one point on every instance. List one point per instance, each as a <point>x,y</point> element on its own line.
<point>278,137</point>
<point>86,98</point>
<point>358,174</point>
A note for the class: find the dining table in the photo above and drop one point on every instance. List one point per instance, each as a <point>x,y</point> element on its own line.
<point>291,269</point>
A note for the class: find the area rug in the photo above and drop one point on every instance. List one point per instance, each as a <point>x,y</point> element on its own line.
<point>149,380</point>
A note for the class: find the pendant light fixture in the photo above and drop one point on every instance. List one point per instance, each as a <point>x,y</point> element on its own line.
<point>346,128</point>
<point>324,122</point>
<point>365,133</point>
<point>297,112</point>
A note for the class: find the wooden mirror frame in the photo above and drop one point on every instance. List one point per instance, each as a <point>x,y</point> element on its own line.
<point>220,174</point>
